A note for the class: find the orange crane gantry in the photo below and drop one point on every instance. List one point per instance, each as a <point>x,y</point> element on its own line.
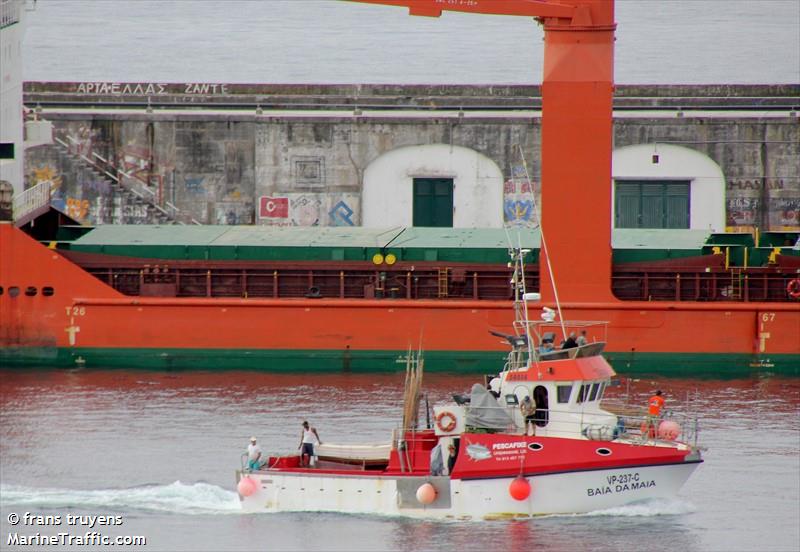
<point>577,135</point>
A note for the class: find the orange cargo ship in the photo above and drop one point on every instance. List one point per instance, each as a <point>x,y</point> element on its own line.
<point>72,308</point>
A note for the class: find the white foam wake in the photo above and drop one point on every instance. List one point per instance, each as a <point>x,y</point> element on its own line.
<point>648,508</point>
<point>178,498</point>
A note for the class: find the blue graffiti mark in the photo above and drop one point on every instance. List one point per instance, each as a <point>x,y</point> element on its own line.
<point>517,210</point>
<point>340,215</point>
<point>194,184</point>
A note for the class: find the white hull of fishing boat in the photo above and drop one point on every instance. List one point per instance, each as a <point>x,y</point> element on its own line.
<point>573,492</point>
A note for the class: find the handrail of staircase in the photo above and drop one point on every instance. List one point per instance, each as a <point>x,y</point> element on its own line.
<point>31,199</point>
<point>102,164</point>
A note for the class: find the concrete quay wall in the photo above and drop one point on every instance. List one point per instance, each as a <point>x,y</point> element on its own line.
<point>297,154</point>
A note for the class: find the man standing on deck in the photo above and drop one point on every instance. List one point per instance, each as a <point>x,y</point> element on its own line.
<point>528,410</point>
<point>308,436</point>
<point>654,405</point>
<point>253,455</point>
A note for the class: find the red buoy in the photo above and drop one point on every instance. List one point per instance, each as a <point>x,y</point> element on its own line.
<point>520,488</point>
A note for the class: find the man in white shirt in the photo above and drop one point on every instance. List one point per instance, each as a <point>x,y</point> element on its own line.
<point>254,455</point>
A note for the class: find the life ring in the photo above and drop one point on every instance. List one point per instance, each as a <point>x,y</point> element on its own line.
<point>793,289</point>
<point>448,425</point>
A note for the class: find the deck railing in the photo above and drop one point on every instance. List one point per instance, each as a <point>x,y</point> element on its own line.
<point>31,199</point>
<point>10,12</point>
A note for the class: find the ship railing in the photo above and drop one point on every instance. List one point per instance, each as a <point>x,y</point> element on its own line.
<point>517,359</point>
<point>30,200</point>
<point>250,281</point>
<point>593,424</point>
<point>10,12</point>
<point>738,284</point>
<point>635,424</point>
<point>556,421</point>
<point>553,330</point>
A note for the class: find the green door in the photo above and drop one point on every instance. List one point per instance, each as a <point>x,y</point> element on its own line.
<point>651,204</point>
<point>433,202</point>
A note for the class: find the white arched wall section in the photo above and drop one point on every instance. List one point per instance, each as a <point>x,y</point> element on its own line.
<point>706,180</point>
<point>387,196</point>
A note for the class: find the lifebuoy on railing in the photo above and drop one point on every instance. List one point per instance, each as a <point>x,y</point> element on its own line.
<point>793,289</point>
<point>446,421</point>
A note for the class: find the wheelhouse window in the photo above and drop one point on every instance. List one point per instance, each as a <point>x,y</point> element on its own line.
<point>583,392</point>
<point>564,392</point>
<point>593,394</point>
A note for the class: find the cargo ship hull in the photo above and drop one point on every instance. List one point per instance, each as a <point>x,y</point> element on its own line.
<point>62,315</point>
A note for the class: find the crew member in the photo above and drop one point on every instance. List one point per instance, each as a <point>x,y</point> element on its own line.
<point>654,405</point>
<point>254,455</point>
<point>451,458</point>
<point>528,409</point>
<point>308,436</point>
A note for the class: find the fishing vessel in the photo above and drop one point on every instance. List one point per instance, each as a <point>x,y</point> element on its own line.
<point>484,458</point>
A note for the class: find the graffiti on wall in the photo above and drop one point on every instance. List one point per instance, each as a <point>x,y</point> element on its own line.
<point>782,213</point>
<point>77,209</point>
<point>737,184</point>
<point>47,173</point>
<point>308,171</point>
<point>785,213</point>
<point>150,88</point>
<point>194,185</point>
<point>233,212</point>
<point>323,209</point>
<point>743,211</point>
<point>519,208</point>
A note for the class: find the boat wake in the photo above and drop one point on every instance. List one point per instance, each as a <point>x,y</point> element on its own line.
<point>648,508</point>
<point>177,498</point>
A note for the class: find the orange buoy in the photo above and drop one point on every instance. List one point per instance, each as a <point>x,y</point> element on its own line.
<point>426,493</point>
<point>669,430</point>
<point>520,488</point>
<point>247,486</point>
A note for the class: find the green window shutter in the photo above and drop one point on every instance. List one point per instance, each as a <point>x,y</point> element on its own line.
<point>677,205</point>
<point>433,202</point>
<point>626,211</point>
<point>651,204</point>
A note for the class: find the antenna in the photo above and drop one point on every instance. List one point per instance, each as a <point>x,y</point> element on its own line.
<point>544,245</point>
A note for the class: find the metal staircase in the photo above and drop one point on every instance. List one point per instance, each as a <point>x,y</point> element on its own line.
<point>127,194</point>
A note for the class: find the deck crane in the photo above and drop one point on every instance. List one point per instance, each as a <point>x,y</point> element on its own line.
<point>577,132</point>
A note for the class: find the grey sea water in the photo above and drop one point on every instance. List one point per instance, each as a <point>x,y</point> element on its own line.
<point>160,449</point>
<point>333,41</point>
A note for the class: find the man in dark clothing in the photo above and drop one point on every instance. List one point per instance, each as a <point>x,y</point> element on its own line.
<point>571,342</point>
<point>451,458</point>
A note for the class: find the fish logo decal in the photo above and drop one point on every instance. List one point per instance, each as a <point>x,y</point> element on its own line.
<point>478,452</point>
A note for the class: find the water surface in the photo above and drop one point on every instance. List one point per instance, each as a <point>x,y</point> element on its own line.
<point>160,449</point>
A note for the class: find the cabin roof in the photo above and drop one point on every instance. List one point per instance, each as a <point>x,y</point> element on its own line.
<point>577,369</point>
